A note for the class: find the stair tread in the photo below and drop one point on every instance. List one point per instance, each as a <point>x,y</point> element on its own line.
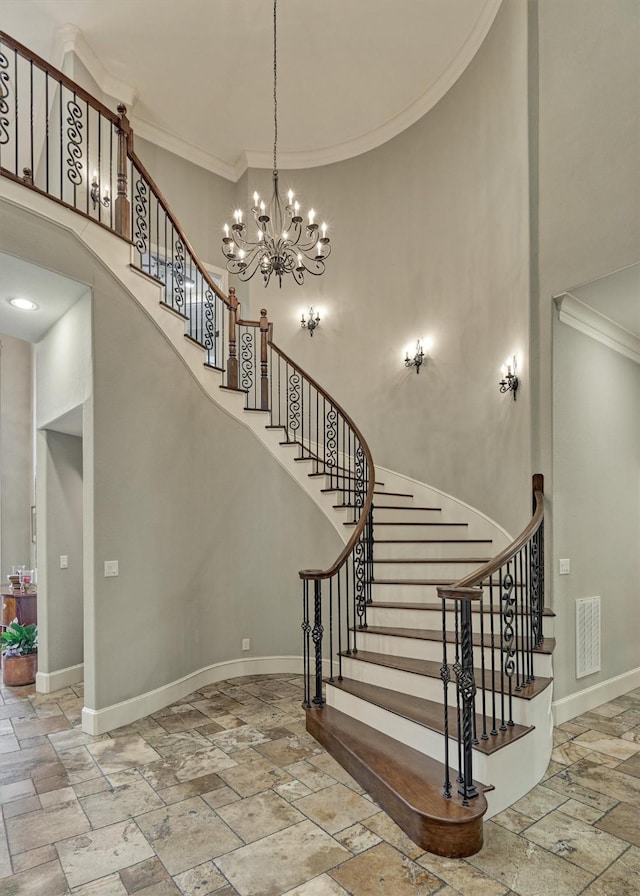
<point>418,523</point>
<point>394,494</point>
<point>432,559</point>
<point>519,586</point>
<point>407,783</point>
<point>437,606</point>
<point>423,634</point>
<point>408,509</point>
<point>434,540</point>
<point>428,713</point>
<point>431,669</point>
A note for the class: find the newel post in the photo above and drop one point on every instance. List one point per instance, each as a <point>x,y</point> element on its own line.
<point>122,221</point>
<point>537,567</point>
<point>264,368</point>
<point>232,360</point>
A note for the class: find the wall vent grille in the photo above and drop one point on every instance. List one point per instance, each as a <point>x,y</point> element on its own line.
<point>587,636</point>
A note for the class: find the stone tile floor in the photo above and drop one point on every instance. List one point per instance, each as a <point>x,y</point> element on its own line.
<point>224,793</point>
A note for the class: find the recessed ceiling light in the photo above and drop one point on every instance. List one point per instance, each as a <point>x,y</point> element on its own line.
<point>23,304</point>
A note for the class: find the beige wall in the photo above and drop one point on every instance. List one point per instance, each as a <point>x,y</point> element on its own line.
<point>16,454</point>
<point>589,225</point>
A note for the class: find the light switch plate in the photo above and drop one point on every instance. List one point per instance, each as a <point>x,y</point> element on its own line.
<point>111,568</point>
<point>64,561</point>
<point>565,567</point>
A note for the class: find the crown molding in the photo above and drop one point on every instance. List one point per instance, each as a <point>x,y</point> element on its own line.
<point>587,320</point>
<point>69,39</point>
<point>398,123</point>
<point>189,152</point>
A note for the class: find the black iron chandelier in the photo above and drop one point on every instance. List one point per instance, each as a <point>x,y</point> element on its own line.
<point>284,244</point>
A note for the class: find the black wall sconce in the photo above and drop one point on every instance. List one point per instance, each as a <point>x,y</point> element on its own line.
<point>312,323</point>
<point>95,194</point>
<point>417,359</point>
<point>509,381</point>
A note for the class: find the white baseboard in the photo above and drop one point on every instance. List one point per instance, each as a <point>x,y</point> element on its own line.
<point>575,704</point>
<point>46,682</point>
<point>128,711</point>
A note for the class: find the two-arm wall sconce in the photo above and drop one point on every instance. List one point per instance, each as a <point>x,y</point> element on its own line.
<point>95,194</point>
<point>312,323</point>
<point>509,381</point>
<point>417,359</point>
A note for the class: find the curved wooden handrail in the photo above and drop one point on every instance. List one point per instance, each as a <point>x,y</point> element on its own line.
<point>59,76</point>
<point>157,192</point>
<point>479,575</point>
<point>368,501</point>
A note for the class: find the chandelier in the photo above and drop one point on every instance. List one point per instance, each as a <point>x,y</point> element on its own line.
<point>284,244</point>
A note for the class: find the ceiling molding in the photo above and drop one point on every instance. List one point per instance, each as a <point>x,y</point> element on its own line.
<point>69,39</point>
<point>587,320</point>
<point>189,152</point>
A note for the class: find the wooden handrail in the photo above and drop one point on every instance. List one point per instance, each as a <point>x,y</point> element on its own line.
<point>187,244</point>
<point>368,501</point>
<point>479,575</point>
<point>59,76</point>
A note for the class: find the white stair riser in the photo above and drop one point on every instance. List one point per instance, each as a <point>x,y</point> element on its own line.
<point>398,617</point>
<point>510,769</point>
<point>383,500</point>
<point>427,688</point>
<point>382,514</point>
<point>391,645</point>
<point>413,530</point>
<point>409,550</point>
<point>405,594</point>
<point>450,571</point>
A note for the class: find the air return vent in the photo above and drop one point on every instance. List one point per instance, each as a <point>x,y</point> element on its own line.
<point>587,636</point>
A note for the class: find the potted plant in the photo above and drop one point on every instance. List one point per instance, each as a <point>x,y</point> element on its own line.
<point>19,644</point>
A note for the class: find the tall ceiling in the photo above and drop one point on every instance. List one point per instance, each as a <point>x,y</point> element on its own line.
<point>197,75</point>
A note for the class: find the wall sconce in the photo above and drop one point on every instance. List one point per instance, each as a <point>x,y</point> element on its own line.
<point>509,381</point>
<point>95,194</point>
<point>417,359</point>
<point>312,323</point>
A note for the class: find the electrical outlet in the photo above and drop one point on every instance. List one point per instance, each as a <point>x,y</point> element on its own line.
<point>111,568</point>
<point>565,567</point>
<point>64,561</point>
<point>246,644</point>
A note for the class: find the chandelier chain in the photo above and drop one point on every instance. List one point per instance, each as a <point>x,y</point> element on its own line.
<point>275,87</point>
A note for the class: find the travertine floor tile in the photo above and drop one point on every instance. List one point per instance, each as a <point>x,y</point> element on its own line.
<point>623,822</point>
<point>576,841</point>
<point>336,808</point>
<point>117,754</point>
<point>130,795</point>
<point>34,857</point>
<point>282,861</point>
<point>357,838</point>
<point>143,875</point>
<point>252,777</point>
<point>388,830</point>
<point>612,782</point>
<point>383,870</point>
<point>620,879</point>
<point>111,885</point>
<point>259,815</point>
<point>37,881</point>
<point>45,826</point>
<point>539,801</point>
<point>200,881</point>
<point>99,853</point>
<point>187,834</point>
<point>319,886</point>
<point>465,879</point>
<point>611,746</point>
<point>525,868</point>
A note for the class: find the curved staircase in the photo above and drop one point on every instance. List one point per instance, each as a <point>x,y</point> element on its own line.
<point>428,680</point>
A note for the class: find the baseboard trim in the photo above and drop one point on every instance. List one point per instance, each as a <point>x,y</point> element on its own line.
<point>128,711</point>
<point>575,704</point>
<point>46,682</point>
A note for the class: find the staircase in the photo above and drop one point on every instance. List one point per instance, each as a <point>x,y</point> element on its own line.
<point>426,672</point>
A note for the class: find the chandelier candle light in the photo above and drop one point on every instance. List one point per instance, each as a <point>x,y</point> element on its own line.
<point>284,244</point>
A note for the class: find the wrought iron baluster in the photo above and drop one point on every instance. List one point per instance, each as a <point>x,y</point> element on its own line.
<point>5,92</point>
<point>494,708</point>
<point>445,675</point>
<point>508,639</point>
<point>483,683</point>
<point>317,635</point>
<point>306,643</point>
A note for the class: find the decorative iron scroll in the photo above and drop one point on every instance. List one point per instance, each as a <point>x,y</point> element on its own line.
<point>210,332</point>
<point>508,635</point>
<point>331,439</point>
<point>178,274</point>
<point>4,105</point>
<point>293,410</point>
<point>74,146</point>
<point>359,581</point>
<point>534,580</point>
<point>140,202</point>
<point>360,487</point>
<point>246,359</point>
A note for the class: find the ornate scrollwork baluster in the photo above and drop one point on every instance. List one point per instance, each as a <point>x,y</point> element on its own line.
<point>74,146</point>
<point>4,105</point>
<point>178,274</point>
<point>331,440</point>
<point>211,333</point>
<point>534,579</point>
<point>508,634</point>
<point>359,580</point>
<point>246,359</point>
<point>141,232</point>
<point>293,405</point>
